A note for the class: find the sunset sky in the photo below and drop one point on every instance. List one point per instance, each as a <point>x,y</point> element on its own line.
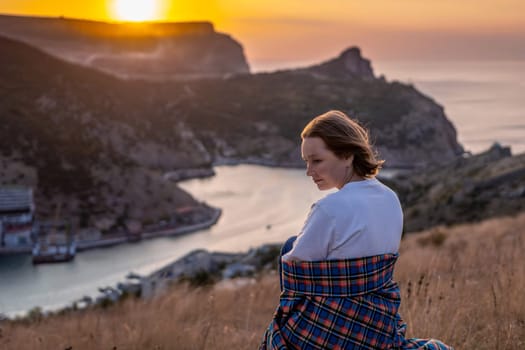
<point>302,31</point>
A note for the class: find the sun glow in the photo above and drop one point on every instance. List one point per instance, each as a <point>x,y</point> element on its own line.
<point>136,10</point>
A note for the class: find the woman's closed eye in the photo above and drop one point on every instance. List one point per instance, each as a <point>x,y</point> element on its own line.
<point>312,161</point>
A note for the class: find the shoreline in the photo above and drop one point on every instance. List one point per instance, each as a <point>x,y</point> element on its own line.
<point>168,232</point>
<point>198,267</point>
<point>290,165</point>
<point>83,245</point>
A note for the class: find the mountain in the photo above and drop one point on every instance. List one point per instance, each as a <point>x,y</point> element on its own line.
<point>153,51</point>
<point>82,140</point>
<point>349,64</point>
<point>98,146</point>
<point>258,117</point>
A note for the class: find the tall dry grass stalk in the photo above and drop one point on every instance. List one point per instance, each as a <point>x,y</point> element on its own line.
<point>464,285</point>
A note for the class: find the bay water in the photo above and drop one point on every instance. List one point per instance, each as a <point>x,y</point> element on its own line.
<point>260,205</point>
<point>485,100</point>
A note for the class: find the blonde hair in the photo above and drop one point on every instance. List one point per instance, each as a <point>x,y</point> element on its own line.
<point>345,137</point>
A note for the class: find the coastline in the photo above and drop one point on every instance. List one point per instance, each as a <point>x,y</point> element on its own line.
<point>174,231</point>
<point>82,245</point>
<point>387,172</point>
<point>198,268</point>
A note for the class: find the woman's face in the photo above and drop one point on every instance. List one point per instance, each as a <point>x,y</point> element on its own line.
<point>326,169</point>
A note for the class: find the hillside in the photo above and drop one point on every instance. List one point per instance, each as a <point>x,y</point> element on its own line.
<point>473,270</point>
<point>79,137</point>
<point>468,189</point>
<point>97,146</point>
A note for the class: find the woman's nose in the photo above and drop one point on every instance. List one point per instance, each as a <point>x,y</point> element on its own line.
<point>308,170</point>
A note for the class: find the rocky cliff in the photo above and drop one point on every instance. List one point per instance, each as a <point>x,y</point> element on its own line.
<point>259,117</point>
<point>83,141</point>
<point>96,145</point>
<point>152,51</point>
<point>349,64</point>
<point>468,189</point>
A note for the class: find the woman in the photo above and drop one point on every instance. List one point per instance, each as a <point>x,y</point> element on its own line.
<point>336,275</point>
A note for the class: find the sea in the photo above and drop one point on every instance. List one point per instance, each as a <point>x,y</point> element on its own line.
<point>484,100</point>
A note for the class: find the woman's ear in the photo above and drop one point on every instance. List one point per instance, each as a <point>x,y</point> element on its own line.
<point>350,159</point>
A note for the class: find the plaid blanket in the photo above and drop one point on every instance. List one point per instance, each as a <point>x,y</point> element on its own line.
<point>341,304</point>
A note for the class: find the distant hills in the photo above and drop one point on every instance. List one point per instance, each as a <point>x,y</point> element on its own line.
<point>101,144</point>
<point>154,51</point>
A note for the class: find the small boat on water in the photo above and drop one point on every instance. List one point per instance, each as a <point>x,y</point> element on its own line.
<point>55,244</point>
<point>53,253</point>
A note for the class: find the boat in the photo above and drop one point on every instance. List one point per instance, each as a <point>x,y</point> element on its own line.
<point>53,253</point>
<point>55,244</point>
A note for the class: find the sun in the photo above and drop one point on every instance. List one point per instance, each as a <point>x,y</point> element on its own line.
<point>136,10</point>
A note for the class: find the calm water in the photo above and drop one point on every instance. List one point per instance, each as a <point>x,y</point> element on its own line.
<point>483,99</point>
<point>252,197</point>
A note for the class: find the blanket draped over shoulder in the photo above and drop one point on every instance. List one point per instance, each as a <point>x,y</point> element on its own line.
<point>341,304</point>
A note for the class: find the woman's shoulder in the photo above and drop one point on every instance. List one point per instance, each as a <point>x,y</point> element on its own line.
<point>331,202</point>
<point>327,200</point>
<point>371,186</point>
<point>355,193</point>
<point>387,190</point>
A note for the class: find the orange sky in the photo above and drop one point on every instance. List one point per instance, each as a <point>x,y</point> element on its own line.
<point>308,30</point>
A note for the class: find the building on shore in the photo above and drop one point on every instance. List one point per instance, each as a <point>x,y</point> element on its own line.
<point>16,217</point>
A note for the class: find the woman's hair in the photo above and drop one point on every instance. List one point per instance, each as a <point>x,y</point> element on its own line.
<point>345,137</point>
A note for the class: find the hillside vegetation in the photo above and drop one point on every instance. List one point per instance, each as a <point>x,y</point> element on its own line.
<point>468,189</point>
<point>85,140</point>
<point>462,284</point>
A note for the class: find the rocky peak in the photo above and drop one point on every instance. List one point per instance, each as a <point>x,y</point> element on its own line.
<point>354,63</point>
<point>349,64</point>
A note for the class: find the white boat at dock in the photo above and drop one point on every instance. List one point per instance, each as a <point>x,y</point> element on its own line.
<point>53,253</point>
<point>55,243</point>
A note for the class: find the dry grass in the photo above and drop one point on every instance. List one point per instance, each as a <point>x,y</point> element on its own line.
<point>467,290</point>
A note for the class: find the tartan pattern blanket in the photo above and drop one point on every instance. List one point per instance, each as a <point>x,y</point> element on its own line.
<point>341,304</point>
